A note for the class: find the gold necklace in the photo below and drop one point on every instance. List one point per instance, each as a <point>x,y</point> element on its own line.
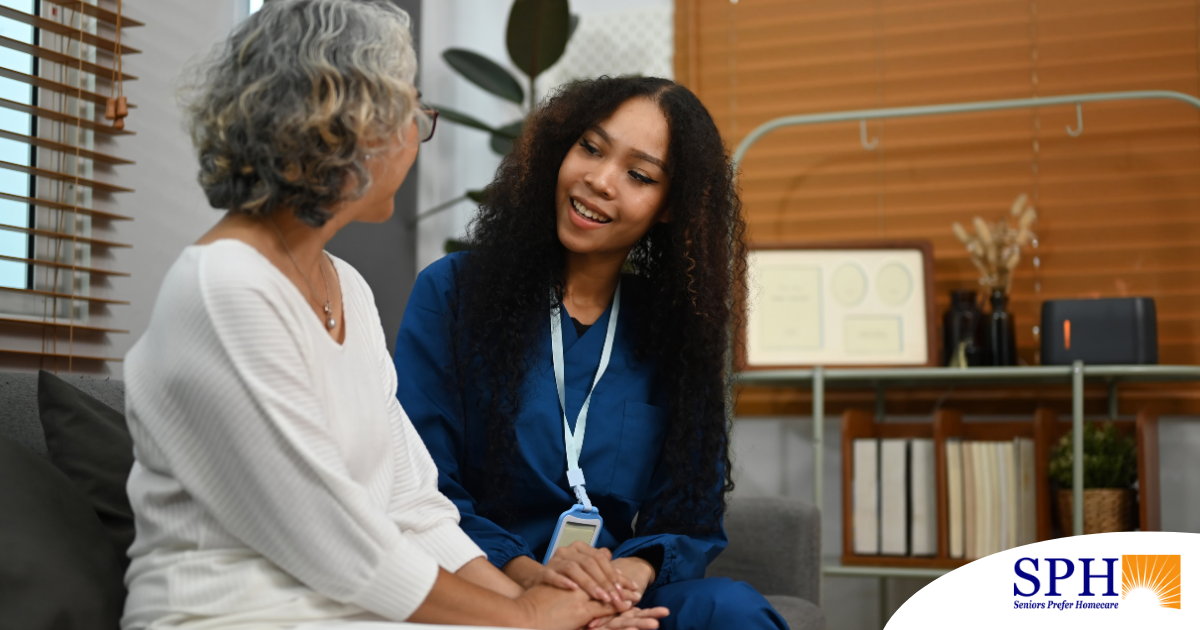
<point>330,322</point>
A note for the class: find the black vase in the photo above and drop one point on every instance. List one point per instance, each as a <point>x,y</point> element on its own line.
<point>1002,335</point>
<point>963,325</point>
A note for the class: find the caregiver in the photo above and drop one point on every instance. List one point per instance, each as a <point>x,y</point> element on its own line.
<point>575,355</point>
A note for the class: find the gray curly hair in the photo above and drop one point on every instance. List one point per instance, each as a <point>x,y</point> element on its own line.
<point>286,111</point>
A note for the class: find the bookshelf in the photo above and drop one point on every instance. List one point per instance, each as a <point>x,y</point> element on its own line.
<point>1044,429</point>
<point>818,379</point>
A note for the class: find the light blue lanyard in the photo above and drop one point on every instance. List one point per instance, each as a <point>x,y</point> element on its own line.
<point>573,441</point>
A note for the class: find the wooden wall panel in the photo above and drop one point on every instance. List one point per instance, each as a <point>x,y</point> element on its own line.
<point>1119,206</point>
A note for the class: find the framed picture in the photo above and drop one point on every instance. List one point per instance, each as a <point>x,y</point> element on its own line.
<point>864,303</point>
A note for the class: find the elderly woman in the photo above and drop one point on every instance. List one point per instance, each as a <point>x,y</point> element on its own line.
<point>278,482</point>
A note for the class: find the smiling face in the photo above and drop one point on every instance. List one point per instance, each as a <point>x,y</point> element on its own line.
<point>613,181</point>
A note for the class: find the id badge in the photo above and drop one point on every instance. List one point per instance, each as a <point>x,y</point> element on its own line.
<point>575,525</point>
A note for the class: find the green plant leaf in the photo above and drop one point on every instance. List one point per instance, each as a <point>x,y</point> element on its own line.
<point>502,140</point>
<point>1109,458</point>
<point>501,146</point>
<point>462,119</point>
<point>537,34</point>
<point>512,130</point>
<point>454,245</point>
<point>485,73</point>
<point>479,196</point>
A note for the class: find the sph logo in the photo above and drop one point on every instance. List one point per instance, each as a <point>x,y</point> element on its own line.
<point>1061,569</point>
<point>1146,579</point>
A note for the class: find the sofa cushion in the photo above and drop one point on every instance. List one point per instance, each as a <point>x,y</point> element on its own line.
<point>90,443</point>
<point>800,614</point>
<point>59,568</point>
<point>774,545</point>
<point>107,390</point>
<point>19,411</point>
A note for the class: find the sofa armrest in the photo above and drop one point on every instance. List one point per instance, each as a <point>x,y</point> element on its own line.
<point>774,545</point>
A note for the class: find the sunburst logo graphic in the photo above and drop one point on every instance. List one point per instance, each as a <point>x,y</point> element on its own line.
<point>1151,580</point>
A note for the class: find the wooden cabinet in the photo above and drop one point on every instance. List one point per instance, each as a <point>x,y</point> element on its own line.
<point>1045,429</point>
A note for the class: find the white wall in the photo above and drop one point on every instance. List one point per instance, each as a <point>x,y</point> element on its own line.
<point>169,209</point>
<point>459,158</point>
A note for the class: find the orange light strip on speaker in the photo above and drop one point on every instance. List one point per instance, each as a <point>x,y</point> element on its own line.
<point>1067,334</point>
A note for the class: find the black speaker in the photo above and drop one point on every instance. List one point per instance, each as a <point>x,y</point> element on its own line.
<point>1108,331</point>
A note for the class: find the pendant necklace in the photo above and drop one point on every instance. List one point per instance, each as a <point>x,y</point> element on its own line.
<point>330,322</point>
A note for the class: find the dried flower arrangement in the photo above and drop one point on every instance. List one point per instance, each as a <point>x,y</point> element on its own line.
<point>996,248</point>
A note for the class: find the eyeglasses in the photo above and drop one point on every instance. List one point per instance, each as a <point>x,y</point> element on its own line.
<point>426,120</point>
<point>426,123</point>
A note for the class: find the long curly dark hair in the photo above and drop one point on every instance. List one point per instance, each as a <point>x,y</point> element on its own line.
<point>690,269</point>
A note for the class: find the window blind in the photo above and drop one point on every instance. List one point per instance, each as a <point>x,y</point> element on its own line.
<point>60,318</point>
<point>1119,206</point>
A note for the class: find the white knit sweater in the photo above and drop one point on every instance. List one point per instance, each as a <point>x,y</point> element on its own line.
<point>277,479</point>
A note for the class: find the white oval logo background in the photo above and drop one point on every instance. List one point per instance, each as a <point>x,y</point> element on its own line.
<point>981,594</point>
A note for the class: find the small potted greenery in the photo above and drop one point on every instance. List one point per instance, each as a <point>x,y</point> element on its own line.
<point>1109,472</point>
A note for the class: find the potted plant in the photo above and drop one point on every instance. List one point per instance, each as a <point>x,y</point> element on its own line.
<point>536,38</point>
<point>1109,472</point>
<point>995,250</point>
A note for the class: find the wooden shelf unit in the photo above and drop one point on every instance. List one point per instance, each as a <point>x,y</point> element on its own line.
<point>1045,430</point>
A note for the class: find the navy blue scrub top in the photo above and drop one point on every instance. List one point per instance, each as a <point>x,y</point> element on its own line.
<point>626,428</point>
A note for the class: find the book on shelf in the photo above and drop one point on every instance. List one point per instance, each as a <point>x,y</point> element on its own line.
<point>923,487</point>
<point>971,535</point>
<point>1012,493</point>
<point>984,507</point>
<point>893,497</point>
<point>999,496</point>
<point>866,496</point>
<point>1027,471</point>
<point>954,498</point>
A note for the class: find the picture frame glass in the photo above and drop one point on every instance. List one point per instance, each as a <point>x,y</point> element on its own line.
<point>838,306</point>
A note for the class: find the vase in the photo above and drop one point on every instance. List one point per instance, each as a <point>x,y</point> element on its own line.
<point>1002,335</point>
<point>1104,510</point>
<point>963,339</point>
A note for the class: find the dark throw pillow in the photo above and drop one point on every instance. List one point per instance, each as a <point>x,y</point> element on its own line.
<point>58,569</point>
<point>89,442</point>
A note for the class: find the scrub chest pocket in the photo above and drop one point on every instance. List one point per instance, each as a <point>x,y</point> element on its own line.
<point>643,429</point>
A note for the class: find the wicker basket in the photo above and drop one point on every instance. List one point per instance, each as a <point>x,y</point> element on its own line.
<point>1104,510</point>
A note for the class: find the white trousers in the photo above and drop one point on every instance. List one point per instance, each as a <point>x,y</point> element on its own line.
<point>383,625</point>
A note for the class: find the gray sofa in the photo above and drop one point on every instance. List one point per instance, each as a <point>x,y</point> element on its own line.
<point>774,544</point>
<point>19,404</point>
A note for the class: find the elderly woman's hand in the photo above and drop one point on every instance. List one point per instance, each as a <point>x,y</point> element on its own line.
<point>552,608</point>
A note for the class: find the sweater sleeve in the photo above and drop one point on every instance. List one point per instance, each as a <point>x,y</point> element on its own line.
<point>428,391</point>
<point>442,538</point>
<point>238,420</point>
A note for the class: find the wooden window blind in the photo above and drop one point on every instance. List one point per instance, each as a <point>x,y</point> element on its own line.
<point>61,316</point>
<point>1119,206</point>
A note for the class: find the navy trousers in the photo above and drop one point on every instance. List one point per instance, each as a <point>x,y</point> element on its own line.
<point>713,604</point>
